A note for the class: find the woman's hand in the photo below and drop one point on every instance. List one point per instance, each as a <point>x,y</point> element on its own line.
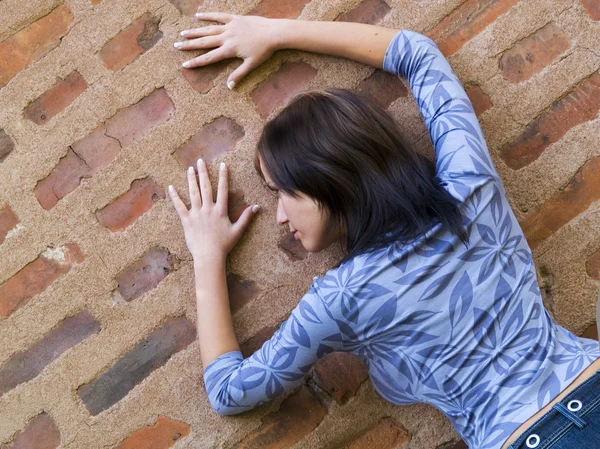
<point>252,38</point>
<point>208,231</point>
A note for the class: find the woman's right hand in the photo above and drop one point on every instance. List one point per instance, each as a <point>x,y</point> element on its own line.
<point>251,38</point>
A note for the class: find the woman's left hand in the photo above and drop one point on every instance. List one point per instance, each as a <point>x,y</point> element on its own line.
<point>208,231</point>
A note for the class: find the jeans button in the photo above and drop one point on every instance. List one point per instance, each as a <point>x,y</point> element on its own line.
<point>574,405</point>
<point>533,440</point>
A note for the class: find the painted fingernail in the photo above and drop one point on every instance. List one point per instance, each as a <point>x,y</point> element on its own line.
<point>186,64</point>
<point>231,84</point>
<point>191,170</point>
<point>200,161</point>
<point>199,14</point>
<point>170,189</point>
<point>177,44</point>
<point>222,166</point>
<point>184,33</point>
<point>255,208</point>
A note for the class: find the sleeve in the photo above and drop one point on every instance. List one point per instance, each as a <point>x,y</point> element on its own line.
<point>235,384</point>
<point>459,143</point>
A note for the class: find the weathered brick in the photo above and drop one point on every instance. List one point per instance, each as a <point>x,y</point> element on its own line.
<point>592,7</point>
<point>479,99</point>
<point>96,2</point>
<point>591,332</point>
<point>531,54</point>
<point>340,374</point>
<point>276,9</point>
<point>37,276</point>
<point>466,22</point>
<point>26,365</point>
<point>579,106</point>
<point>132,42</point>
<point>254,343</point>
<point>298,415</point>
<point>213,141</point>
<point>592,265</point>
<point>280,86</point>
<point>162,435</point>
<point>126,209</point>
<point>6,145</point>
<point>236,204</point>
<point>292,247</point>
<point>89,155</point>
<point>138,363</point>
<point>241,292</point>
<point>368,11</point>
<point>187,7</point>
<point>40,433</point>
<point>383,87</point>
<point>564,205</point>
<point>386,434</point>
<point>202,78</point>
<point>31,43</point>
<point>8,220</point>
<point>56,99</point>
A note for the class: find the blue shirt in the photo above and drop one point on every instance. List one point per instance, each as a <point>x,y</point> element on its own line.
<point>460,327</point>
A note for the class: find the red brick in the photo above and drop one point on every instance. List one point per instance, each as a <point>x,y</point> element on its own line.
<point>37,276</point>
<point>96,2</point>
<point>202,78</point>
<point>276,9</point>
<point>254,343</point>
<point>531,54</point>
<point>138,363</point>
<point>91,154</point>
<point>591,332</point>
<point>31,43</point>
<point>213,141</point>
<point>292,247</point>
<point>126,209</point>
<point>466,22</point>
<point>479,99</point>
<point>56,99</point>
<point>6,145</point>
<point>387,434</point>
<point>241,292</point>
<point>593,265</point>
<point>40,433</point>
<point>298,415</point>
<point>145,274</point>
<point>187,7</point>
<point>592,7</point>
<point>382,87</point>
<point>26,365</point>
<point>8,220</point>
<point>340,374</point>
<point>132,42</point>
<point>564,205</point>
<point>162,435</point>
<point>236,205</point>
<point>279,87</point>
<point>579,106</point>
<point>368,11</point>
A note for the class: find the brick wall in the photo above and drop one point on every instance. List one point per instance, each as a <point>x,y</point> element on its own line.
<point>97,310</point>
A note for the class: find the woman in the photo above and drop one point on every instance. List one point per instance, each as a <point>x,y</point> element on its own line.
<point>437,293</point>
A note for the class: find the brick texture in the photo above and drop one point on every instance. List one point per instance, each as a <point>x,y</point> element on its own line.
<point>146,273</point>
<point>382,87</point>
<point>162,435</point>
<point>126,209</point>
<point>466,22</point>
<point>236,204</point>
<point>212,142</point>
<point>276,9</point>
<point>241,292</point>
<point>368,11</point>
<point>340,374</point>
<point>91,154</point>
<point>6,145</point>
<point>254,343</point>
<point>479,99</point>
<point>530,55</point>
<point>138,363</point>
<point>202,78</point>
<point>591,332</point>
<point>387,434</point>
<point>292,248</point>
<point>8,220</point>
<point>187,7</point>
<point>37,276</point>
<point>592,7</point>
<point>564,205</point>
<point>41,433</point>
<point>579,106</point>
<point>26,365</point>
<point>297,416</point>
<point>281,86</point>
<point>56,99</point>
<point>592,265</point>
<point>31,43</point>
<point>130,43</point>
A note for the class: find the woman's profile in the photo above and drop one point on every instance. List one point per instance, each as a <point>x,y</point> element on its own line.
<point>437,292</point>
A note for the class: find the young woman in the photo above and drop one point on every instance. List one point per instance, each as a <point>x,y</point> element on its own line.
<point>437,293</point>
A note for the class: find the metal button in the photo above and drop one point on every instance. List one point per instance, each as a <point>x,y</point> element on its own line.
<point>574,405</point>
<point>533,440</point>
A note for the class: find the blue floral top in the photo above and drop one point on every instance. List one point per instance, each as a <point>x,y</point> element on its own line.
<point>460,327</point>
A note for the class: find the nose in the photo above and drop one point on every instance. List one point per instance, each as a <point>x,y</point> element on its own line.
<point>281,216</point>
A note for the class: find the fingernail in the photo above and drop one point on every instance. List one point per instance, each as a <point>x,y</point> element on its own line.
<point>170,188</point>
<point>177,44</point>
<point>200,161</point>
<point>191,170</point>
<point>255,208</point>
<point>186,64</point>
<point>184,33</point>
<point>199,14</point>
<point>231,84</point>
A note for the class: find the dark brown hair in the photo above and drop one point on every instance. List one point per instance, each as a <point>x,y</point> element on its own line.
<point>347,152</point>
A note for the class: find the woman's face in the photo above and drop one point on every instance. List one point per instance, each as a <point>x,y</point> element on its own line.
<point>303,217</point>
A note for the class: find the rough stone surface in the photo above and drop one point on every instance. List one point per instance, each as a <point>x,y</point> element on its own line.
<point>479,99</point>
<point>6,145</point>
<point>276,9</point>
<point>292,247</point>
<point>8,220</point>
<point>41,433</point>
<point>593,265</point>
<point>240,291</point>
<point>368,11</point>
<point>383,87</point>
<point>387,434</point>
<point>593,8</point>
<point>340,374</point>
<point>162,435</point>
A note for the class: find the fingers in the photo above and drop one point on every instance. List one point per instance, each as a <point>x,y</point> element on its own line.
<point>177,203</point>
<point>223,189</point>
<point>242,223</point>
<point>239,73</point>
<point>215,16</point>
<point>211,30</point>
<point>207,58</point>
<point>200,43</point>
<point>195,198</point>
<point>205,187</point>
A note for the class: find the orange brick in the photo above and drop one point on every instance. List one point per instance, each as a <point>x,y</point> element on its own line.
<point>162,435</point>
<point>276,9</point>
<point>479,99</point>
<point>382,87</point>
<point>40,433</point>
<point>236,204</point>
<point>31,43</point>
<point>254,343</point>
<point>187,7</point>
<point>340,374</point>
<point>593,8</point>
<point>368,11</point>
<point>202,78</point>
<point>292,248</point>
<point>241,292</point>
<point>592,265</point>
<point>6,145</point>
<point>8,220</point>
<point>387,434</point>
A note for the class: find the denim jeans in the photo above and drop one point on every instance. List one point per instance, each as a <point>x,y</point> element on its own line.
<point>572,423</point>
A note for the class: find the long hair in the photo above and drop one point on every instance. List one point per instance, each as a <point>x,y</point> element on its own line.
<point>348,154</point>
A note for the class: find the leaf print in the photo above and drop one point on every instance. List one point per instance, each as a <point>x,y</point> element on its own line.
<point>248,378</point>
<point>349,308</point>
<point>460,299</point>
<point>382,317</point>
<point>419,275</point>
<point>433,247</point>
<point>299,333</point>
<point>419,317</point>
<point>496,206</point>
<point>505,228</point>
<point>274,387</point>
<point>475,253</point>
<point>550,388</point>
<point>486,234</point>
<point>436,287</point>
<point>283,358</point>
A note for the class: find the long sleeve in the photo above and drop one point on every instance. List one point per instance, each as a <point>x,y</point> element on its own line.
<point>235,384</point>
<point>449,116</point>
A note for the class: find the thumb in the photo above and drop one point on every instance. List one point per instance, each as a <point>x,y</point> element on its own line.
<point>242,223</point>
<point>238,74</point>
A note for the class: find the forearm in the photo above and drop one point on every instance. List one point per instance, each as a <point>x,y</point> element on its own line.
<point>215,325</point>
<point>357,41</point>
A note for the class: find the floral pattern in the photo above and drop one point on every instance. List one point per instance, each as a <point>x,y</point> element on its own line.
<point>461,327</point>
